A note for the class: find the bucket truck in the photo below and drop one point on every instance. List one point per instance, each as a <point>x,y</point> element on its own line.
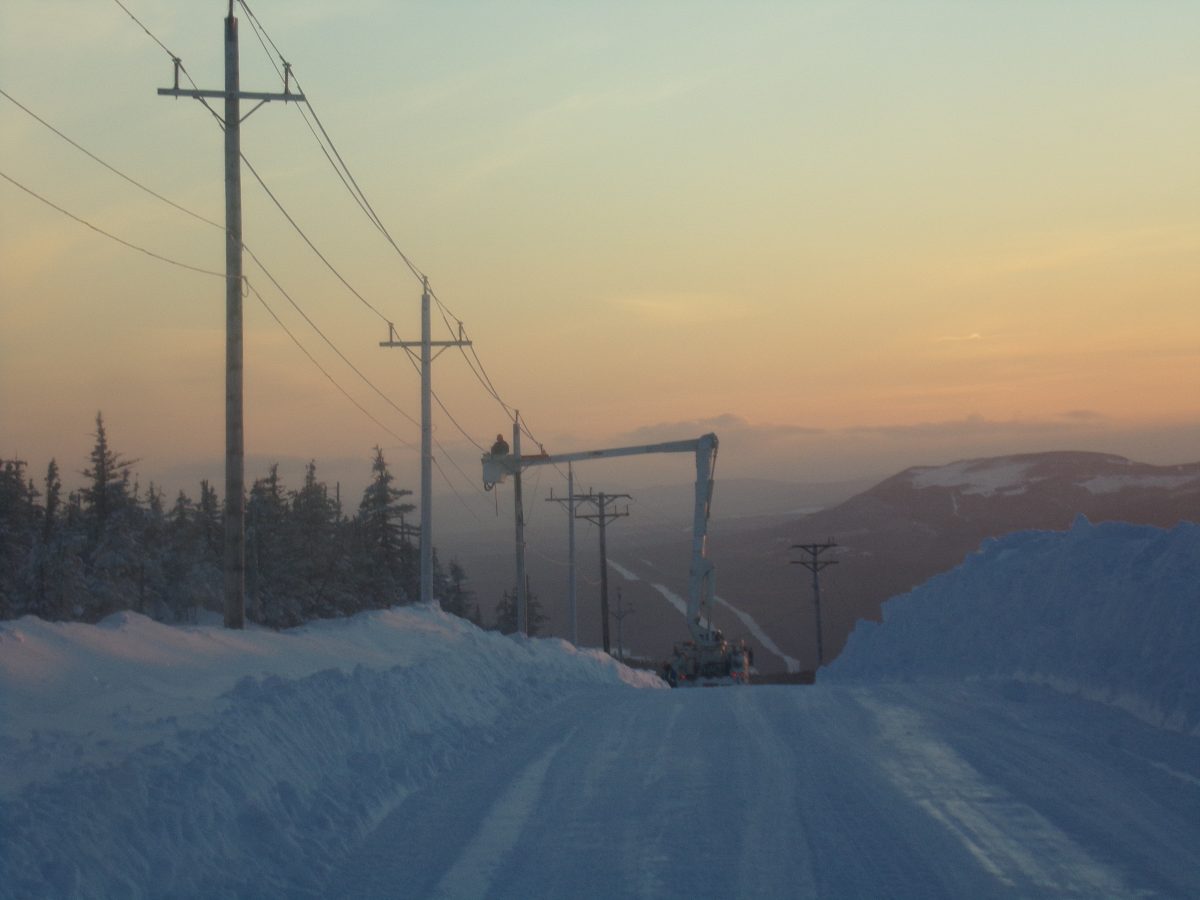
<point>707,658</point>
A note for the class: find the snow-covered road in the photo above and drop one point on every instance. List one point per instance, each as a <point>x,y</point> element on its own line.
<point>914,791</point>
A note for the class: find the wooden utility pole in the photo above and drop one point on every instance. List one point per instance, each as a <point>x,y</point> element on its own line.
<point>522,598</point>
<point>569,500</point>
<point>235,499</point>
<point>815,564</point>
<point>601,516</point>
<point>426,356</point>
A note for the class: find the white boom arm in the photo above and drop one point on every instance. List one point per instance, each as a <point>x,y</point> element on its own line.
<point>701,587</point>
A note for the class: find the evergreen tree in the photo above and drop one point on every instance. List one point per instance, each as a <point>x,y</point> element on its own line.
<point>152,573</point>
<point>457,597</point>
<point>506,613</point>
<point>384,559</point>
<point>18,516</point>
<point>112,556</point>
<point>209,527</point>
<point>53,501</point>
<point>267,516</point>
<point>109,488</point>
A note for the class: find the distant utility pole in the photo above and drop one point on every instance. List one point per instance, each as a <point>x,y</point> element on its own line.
<point>522,598</point>
<point>620,615</point>
<point>569,500</point>
<point>426,357</point>
<point>815,564</point>
<point>235,501</point>
<point>601,516</point>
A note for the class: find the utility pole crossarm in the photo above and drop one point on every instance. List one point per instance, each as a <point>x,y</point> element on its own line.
<point>262,96</point>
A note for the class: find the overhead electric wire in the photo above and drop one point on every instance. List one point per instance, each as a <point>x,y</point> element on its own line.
<point>351,184</point>
<point>327,340</point>
<point>300,231</point>
<point>321,368</point>
<point>110,235</point>
<point>207,221</point>
<point>175,59</point>
<point>110,168</point>
<point>152,37</point>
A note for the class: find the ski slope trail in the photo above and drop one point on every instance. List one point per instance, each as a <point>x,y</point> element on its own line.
<point>801,792</point>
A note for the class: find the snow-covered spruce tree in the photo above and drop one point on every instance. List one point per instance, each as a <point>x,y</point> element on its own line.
<point>315,553</point>
<point>382,552</point>
<point>112,555</point>
<point>152,585</point>
<point>56,571</point>
<point>18,527</point>
<point>266,521</point>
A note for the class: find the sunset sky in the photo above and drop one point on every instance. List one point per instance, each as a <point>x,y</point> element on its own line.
<point>848,237</point>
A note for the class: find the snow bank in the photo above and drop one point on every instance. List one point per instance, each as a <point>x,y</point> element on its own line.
<point>1110,612</point>
<point>138,755</point>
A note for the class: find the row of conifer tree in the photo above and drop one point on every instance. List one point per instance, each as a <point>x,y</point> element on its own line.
<point>113,546</point>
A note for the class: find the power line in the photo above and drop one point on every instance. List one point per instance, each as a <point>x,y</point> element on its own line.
<point>327,340</point>
<point>207,221</point>
<point>109,235</point>
<point>321,368</point>
<point>311,245</point>
<point>351,184</point>
<point>113,169</point>
<point>179,66</point>
<point>152,37</point>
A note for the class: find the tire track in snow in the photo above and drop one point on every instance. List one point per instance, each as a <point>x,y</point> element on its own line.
<point>472,873</point>
<point>1011,840</point>
<point>793,665</point>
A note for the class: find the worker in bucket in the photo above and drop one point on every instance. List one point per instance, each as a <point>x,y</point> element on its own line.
<point>500,448</point>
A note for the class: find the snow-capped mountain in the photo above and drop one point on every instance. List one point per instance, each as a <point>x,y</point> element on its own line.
<point>924,521</point>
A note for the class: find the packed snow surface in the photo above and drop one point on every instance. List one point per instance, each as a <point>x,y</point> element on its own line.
<point>949,753</point>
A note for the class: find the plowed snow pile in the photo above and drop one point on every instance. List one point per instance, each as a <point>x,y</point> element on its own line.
<point>137,754</point>
<point>1110,612</point>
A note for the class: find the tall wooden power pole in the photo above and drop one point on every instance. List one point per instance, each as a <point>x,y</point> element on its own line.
<point>601,516</point>
<point>426,355</point>
<point>235,499</point>
<point>815,564</point>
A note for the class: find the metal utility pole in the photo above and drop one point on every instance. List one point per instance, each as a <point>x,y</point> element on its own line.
<point>601,517</point>
<point>235,514</point>
<point>815,564</point>
<point>426,356</point>
<point>569,500</point>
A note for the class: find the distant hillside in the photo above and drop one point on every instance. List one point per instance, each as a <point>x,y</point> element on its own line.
<point>924,521</point>
<point>892,537</point>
